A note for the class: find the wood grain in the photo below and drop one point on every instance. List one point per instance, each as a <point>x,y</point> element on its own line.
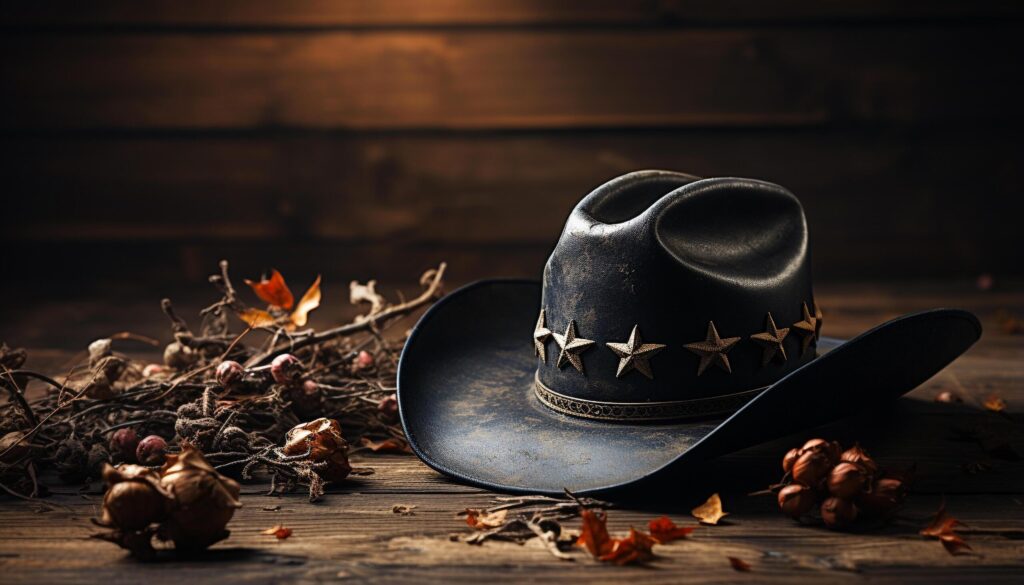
<point>512,79</point>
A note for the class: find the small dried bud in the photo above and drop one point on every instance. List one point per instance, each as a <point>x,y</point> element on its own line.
<point>847,480</point>
<point>229,373</point>
<point>286,369</point>
<point>364,360</point>
<point>306,399</point>
<point>388,409</point>
<point>134,497</point>
<point>811,468</point>
<point>123,444</point>
<point>838,513</point>
<point>151,450</point>
<point>829,449</point>
<point>796,500</point>
<point>72,461</point>
<point>859,456</point>
<point>98,350</point>
<point>178,356</point>
<point>14,446</point>
<point>204,501</point>
<point>111,367</point>
<point>322,439</point>
<point>152,370</point>
<point>789,459</point>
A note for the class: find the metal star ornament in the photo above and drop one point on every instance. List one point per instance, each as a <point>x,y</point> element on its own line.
<point>771,340</point>
<point>819,319</point>
<point>634,354</point>
<point>572,347</point>
<point>541,335</point>
<point>712,350</point>
<point>807,329</point>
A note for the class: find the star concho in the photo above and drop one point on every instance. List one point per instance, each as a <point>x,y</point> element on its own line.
<point>572,347</point>
<point>712,350</point>
<point>771,340</point>
<point>807,329</point>
<point>541,335</point>
<point>634,354</point>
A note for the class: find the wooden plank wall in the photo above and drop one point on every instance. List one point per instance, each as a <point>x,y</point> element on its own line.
<point>373,137</point>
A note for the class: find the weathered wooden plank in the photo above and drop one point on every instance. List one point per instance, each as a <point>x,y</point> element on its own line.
<point>513,79</point>
<point>516,189</point>
<point>330,13</point>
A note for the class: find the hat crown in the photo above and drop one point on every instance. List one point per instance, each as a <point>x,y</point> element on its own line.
<point>669,255</point>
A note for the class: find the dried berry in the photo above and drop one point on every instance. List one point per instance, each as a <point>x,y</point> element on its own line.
<point>796,500</point>
<point>178,356</point>
<point>151,450</point>
<point>831,450</point>
<point>859,456</point>
<point>123,444</point>
<point>134,498</point>
<point>846,480</point>
<point>286,369</point>
<point>204,501</point>
<point>322,440</point>
<point>811,468</point>
<point>229,373</point>
<point>838,512</point>
<point>363,361</point>
<point>388,409</point>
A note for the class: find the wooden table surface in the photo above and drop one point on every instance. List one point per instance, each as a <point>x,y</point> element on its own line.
<point>353,534</point>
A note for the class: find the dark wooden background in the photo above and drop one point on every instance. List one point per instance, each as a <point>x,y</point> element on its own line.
<point>145,140</point>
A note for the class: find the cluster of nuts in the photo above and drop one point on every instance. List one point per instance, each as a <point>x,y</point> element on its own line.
<point>843,485</point>
<point>186,502</point>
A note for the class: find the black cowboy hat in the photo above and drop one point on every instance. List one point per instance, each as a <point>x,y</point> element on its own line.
<point>675,323</point>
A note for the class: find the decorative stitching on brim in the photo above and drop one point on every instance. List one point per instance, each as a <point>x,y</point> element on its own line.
<point>642,411</point>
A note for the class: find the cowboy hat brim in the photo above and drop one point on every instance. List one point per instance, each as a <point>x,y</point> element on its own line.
<point>465,395</point>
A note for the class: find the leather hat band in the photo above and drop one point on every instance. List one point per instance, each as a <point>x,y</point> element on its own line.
<point>642,411</point>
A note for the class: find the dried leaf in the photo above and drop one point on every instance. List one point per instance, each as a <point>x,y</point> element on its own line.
<point>710,512</point>
<point>635,548</point>
<point>594,534</point>
<point>994,403</point>
<point>273,291</point>
<point>280,532</point>
<point>739,564</point>
<point>403,510</point>
<point>943,527</point>
<point>385,446</point>
<point>954,544</point>
<point>664,530</point>
<point>366,293</point>
<point>307,303</point>
<point>482,520</point>
<point>256,318</point>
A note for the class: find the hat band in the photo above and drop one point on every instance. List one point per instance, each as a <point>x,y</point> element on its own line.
<point>642,411</point>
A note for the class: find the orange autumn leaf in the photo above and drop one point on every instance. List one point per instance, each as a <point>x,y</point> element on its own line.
<point>635,548</point>
<point>385,446</point>
<point>480,520</point>
<point>739,564</point>
<point>710,512</point>
<point>943,527</point>
<point>307,303</point>
<point>594,535</point>
<point>664,530</point>
<point>994,403</point>
<point>279,531</point>
<point>256,318</point>
<point>274,291</point>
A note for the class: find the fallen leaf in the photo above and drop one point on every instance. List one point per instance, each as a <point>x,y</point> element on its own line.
<point>256,318</point>
<point>366,293</point>
<point>635,548</point>
<point>272,508</point>
<point>947,397</point>
<point>385,446</point>
<point>954,544</point>
<point>403,509</point>
<point>994,403</point>
<point>481,520</point>
<point>943,527</point>
<point>710,512</point>
<point>594,534</point>
<point>664,530</point>
<point>280,532</point>
<point>274,291</point>
<point>307,303</point>
<point>739,564</point>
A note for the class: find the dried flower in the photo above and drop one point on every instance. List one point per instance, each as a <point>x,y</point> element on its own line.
<point>789,459</point>
<point>795,500</point>
<point>860,457</point>
<point>179,356</point>
<point>811,468</point>
<point>229,373</point>
<point>322,439</point>
<point>286,369</point>
<point>388,409</point>
<point>838,512</point>
<point>151,450</point>
<point>134,499</point>
<point>124,443</point>
<point>204,500</point>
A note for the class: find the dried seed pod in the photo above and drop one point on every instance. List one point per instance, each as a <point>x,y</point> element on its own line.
<point>286,369</point>
<point>151,450</point>
<point>838,512</point>
<point>795,500</point>
<point>13,446</point>
<point>123,443</point>
<point>388,409</point>
<point>98,387</point>
<point>229,373</point>
<point>179,356</point>
<point>831,449</point>
<point>789,459</point>
<point>846,480</point>
<point>111,367</point>
<point>134,499</point>
<point>322,439</point>
<point>859,456</point>
<point>883,499</point>
<point>811,468</point>
<point>98,350</point>
<point>204,501</point>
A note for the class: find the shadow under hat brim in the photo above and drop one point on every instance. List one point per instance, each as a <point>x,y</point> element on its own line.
<point>465,395</point>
